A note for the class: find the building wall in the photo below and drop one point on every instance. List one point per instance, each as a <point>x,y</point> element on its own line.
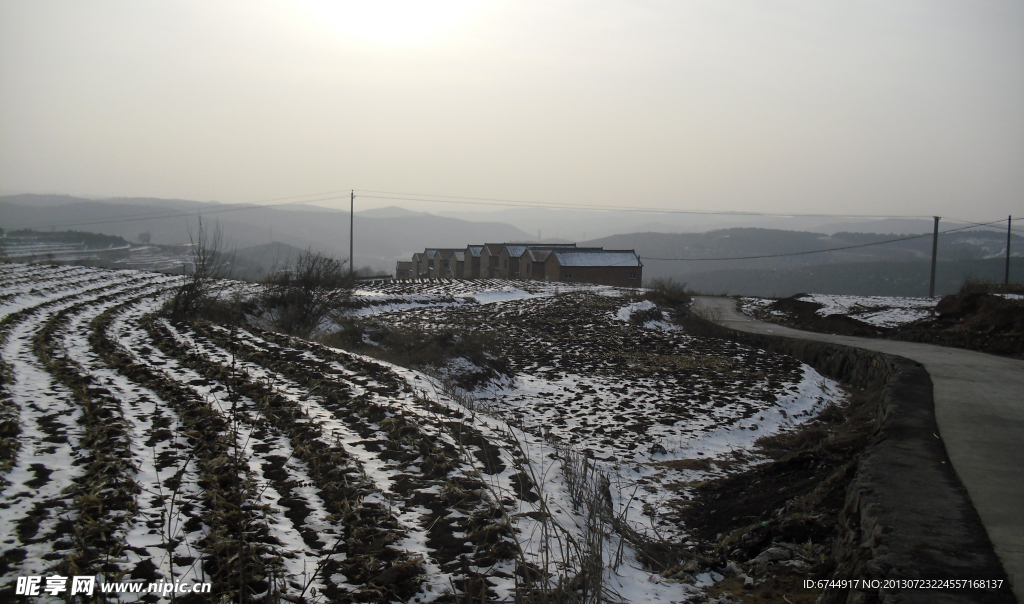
<point>619,276</point>
<point>552,270</point>
<point>418,266</point>
<point>490,262</point>
<point>531,270</point>
<point>404,270</point>
<point>472,268</point>
<point>515,270</point>
<point>485,264</point>
<point>502,271</point>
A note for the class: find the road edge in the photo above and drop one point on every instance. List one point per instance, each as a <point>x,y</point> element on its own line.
<point>907,516</point>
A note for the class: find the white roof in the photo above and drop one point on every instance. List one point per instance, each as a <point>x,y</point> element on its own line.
<point>597,258</point>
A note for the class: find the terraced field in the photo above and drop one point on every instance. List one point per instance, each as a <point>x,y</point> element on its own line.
<point>139,448</point>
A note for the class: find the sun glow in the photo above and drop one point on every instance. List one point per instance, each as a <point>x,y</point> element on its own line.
<point>391,22</point>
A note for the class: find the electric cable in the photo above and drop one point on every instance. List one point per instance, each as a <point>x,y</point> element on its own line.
<point>834,249</point>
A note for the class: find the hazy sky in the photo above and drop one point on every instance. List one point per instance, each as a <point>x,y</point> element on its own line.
<point>884,107</point>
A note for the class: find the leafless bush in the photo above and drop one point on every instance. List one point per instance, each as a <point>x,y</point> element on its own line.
<point>641,317</point>
<point>708,313</point>
<point>668,293</point>
<point>209,262</point>
<point>299,300</point>
<point>974,285</point>
<point>435,352</point>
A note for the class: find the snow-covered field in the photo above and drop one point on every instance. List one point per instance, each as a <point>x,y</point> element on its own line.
<point>880,311</point>
<point>140,447</point>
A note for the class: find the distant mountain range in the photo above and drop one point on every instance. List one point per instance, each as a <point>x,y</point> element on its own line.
<point>897,268</point>
<point>381,237</point>
<point>267,237</point>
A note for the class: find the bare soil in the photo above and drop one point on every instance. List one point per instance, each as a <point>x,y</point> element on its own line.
<point>776,522</point>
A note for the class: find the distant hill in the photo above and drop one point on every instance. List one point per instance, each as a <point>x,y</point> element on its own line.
<point>859,278</point>
<point>889,269</point>
<point>256,262</point>
<point>379,239</point>
<point>264,236</point>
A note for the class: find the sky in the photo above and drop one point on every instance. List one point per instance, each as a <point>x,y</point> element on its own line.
<point>868,107</point>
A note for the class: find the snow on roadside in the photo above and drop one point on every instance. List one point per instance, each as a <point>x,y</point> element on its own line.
<point>881,311</point>
<point>758,307</point>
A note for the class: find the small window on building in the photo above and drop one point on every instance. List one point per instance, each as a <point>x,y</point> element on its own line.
<point>506,262</point>
<point>568,276</point>
<point>632,275</point>
<point>529,269</point>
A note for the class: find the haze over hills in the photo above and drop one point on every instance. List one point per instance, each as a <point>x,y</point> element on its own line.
<point>381,236</point>
<point>899,268</point>
<point>267,237</point>
<point>592,224</point>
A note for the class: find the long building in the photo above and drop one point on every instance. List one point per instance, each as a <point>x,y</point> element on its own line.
<point>563,262</point>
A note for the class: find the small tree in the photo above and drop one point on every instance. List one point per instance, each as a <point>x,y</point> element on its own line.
<point>209,262</point>
<point>300,299</point>
<point>145,238</point>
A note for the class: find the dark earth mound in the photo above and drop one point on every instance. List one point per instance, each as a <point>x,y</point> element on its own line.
<point>776,522</point>
<point>975,320</point>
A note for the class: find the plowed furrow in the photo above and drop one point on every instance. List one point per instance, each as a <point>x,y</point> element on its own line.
<point>464,532</point>
<point>42,443</point>
<point>234,550</point>
<point>105,494</point>
<point>302,530</point>
<point>153,541</point>
<point>372,564</point>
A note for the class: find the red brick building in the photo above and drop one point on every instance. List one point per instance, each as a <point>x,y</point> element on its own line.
<point>404,270</point>
<point>621,268</point>
<point>539,262</point>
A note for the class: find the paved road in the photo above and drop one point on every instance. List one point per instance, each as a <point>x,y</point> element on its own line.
<point>979,407</point>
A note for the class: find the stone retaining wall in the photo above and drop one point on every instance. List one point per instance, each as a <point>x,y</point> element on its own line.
<point>907,516</point>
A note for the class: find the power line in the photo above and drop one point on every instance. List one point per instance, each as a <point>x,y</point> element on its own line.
<point>394,196</point>
<point>834,249</point>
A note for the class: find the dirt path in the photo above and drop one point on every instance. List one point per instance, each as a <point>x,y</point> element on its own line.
<point>979,408</point>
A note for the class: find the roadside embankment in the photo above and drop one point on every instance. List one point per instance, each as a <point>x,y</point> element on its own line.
<point>906,514</point>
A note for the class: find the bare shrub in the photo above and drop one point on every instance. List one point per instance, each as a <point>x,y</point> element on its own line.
<point>668,293</point>
<point>974,285</point>
<point>641,317</point>
<point>429,351</point>
<point>299,300</point>
<point>708,313</point>
<point>209,262</point>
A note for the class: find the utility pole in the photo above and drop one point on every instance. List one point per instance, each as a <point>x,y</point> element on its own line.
<point>351,231</point>
<point>1009,221</point>
<point>935,249</point>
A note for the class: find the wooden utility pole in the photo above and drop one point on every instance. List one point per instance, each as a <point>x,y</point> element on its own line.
<point>351,232</point>
<point>935,249</point>
<point>1009,222</point>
